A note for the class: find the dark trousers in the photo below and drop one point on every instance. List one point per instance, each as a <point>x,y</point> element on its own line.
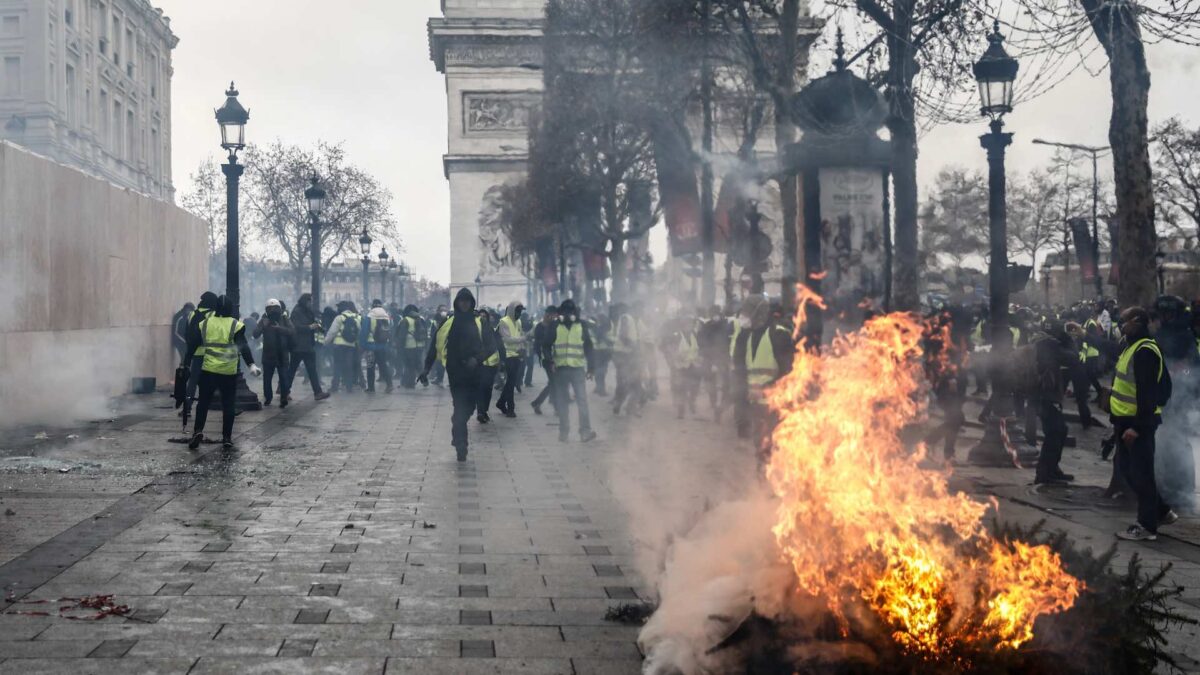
<point>227,386</point>
<point>345,367</point>
<point>547,391</point>
<point>487,378</point>
<point>513,370</point>
<point>378,359</point>
<point>1054,427</point>
<point>629,383</point>
<point>438,373</point>
<point>530,364</point>
<point>269,371</point>
<point>566,381</point>
<point>1136,464</point>
<point>600,375</point>
<point>952,423</point>
<point>463,396</point>
<point>1079,386</point>
<point>309,359</point>
<point>411,367</point>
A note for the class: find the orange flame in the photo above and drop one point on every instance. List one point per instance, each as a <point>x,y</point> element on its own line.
<point>861,522</point>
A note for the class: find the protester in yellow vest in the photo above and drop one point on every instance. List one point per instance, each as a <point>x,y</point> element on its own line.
<point>209,303</point>
<point>1141,386</point>
<point>681,347</point>
<point>461,345</point>
<point>762,354</point>
<point>344,334</point>
<point>412,341</point>
<point>515,351</point>
<point>222,339</point>
<point>489,321</point>
<point>569,350</point>
<point>627,360</point>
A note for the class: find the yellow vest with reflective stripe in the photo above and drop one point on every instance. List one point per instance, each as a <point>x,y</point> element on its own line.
<point>444,333</point>
<point>220,351</point>
<point>568,346</point>
<point>204,314</point>
<point>761,365</point>
<point>688,352</point>
<point>337,336</point>
<point>1124,388</point>
<point>514,342</point>
<point>410,340</point>
<point>625,326</point>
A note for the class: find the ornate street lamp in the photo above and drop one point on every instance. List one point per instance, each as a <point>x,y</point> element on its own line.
<point>315,196</point>
<point>383,270</point>
<point>232,118</point>
<point>995,72</point>
<point>364,244</point>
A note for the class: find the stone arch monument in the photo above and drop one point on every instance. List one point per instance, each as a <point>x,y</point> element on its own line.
<point>491,53</point>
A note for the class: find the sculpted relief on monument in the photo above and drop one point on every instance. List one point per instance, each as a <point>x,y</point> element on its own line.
<point>498,112</point>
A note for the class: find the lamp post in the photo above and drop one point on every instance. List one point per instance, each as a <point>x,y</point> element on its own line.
<point>995,73</point>
<point>392,266</point>
<point>315,196</point>
<point>232,118</point>
<point>1095,152</point>
<point>403,274</point>
<point>364,243</point>
<point>383,270</point>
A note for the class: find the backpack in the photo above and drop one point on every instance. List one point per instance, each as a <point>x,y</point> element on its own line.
<point>382,331</point>
<point>350,329</point>
<point>421,330</point>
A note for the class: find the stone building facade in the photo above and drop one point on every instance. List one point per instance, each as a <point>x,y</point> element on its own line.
<point>87,83</point>
<point>490,52</point>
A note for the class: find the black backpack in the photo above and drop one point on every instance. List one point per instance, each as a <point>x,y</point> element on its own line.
<point>350,329</point>
<point>383,331</point>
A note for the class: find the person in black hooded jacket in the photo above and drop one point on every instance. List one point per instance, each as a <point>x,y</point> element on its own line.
<point>209,303</point>
<point>462,342</point>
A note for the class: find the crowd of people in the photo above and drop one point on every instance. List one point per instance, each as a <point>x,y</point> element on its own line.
<point>1138,365</point>
<point>1128,362</point>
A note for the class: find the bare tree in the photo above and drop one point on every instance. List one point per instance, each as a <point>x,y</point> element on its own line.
<point>954,219</point>
<point>206,200</point>
<point>276,177</point>
<point>1177,172</point>
<point>1034,220</point>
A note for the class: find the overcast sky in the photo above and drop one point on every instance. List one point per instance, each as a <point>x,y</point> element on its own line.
<point>359,72</point>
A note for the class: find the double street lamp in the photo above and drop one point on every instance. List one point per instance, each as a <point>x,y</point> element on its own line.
<point>364,244</point>
<point>315,196</point>
<point>995,74</point>
<point>1095,152</point>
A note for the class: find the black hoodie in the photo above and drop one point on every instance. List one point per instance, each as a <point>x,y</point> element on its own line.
<point>466,347</point>
<point>209,303</point>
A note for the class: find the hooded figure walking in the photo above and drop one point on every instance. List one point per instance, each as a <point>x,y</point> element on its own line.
<point>461,344</point>
<point>569,351</point>
<point>514,350</point>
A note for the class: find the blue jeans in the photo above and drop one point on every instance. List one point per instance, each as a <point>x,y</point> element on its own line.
<point>573,379</point>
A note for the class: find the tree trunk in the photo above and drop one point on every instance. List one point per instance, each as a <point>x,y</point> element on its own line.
<point>1117,30</point>
<point>620,280</point>
<point>903,126</point>
<point>785,135</point>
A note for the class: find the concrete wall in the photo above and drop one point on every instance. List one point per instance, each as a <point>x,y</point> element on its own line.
<point>91,274</point>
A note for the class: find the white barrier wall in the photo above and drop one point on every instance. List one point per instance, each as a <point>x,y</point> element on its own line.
<point>90,275</point>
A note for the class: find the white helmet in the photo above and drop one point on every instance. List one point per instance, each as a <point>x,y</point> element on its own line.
<point>273,303</point>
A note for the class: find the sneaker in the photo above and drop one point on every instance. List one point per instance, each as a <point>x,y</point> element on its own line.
<point>1137,533</point>
<point>267,402</point>
<point>283,401</point>
<point>1049,480</point>
<point>321,396</point>
<point>512,414</point>
<point>197,439</point>
<point>227,444</point>
<point>1169,519</point>
<point>461,453</point>
<point>483,418</point>
<point>537,409</point>
<point>587,436</point>
<point>1068,477</point>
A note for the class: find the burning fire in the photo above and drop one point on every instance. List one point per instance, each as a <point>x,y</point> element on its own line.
<point>861,522</point>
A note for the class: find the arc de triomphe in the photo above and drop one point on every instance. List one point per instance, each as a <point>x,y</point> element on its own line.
<point>491,53</point>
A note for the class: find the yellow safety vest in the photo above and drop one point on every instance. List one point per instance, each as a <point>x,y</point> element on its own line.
<point>412,340</point>
<point>220,351</point>
<point>688,352</point>
<point>204,314</point>
<point>514,342</point>
<point>619,342</point>
<point>601,342</point>
<point>444,333</point>
<point>737,330</point>
<point>979,339</point>
<point>761,365</point>
<point>1124,389</point>
<point>337,325</point>
<point>568,346</point>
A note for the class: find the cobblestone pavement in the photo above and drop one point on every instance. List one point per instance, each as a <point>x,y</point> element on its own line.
<point>343,537</point>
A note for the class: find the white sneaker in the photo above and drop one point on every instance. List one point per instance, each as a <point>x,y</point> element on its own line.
<point>1137,533</point>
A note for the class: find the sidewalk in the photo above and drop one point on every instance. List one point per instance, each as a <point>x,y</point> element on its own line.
<point>343,537</point>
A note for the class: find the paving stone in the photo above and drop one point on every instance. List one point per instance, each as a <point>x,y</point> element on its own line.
<point>216,548</point>
<point>327,590</point>
<point>335,568</point>
<point>597,550</point>
<point>344,548</point>
<point>296,648</point>
<point>174,588</point>
<point>475,618</point>
<point>478,649</point>
<point>312,616</point>
<point>111,649</point>
<point>472,568</point>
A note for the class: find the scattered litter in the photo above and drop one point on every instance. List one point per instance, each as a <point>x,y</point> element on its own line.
<point>348,527</point>
<point>27,464</point>
<point>105,438</point>
<point>429,526</point>
<point>40,436</point>
<point>65,469</point>
<point>71,437</point>
<point>104,606</point>
<point>630,614</point>
<point>9,512</point>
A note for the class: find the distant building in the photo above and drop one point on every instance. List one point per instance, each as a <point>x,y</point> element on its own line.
<point>87,83</point>
<point>1178,274</point>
